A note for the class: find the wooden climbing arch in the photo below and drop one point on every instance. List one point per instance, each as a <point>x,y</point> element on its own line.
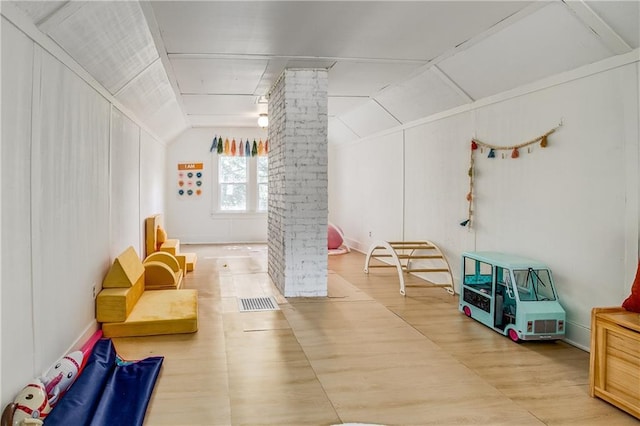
<point>402,253</point>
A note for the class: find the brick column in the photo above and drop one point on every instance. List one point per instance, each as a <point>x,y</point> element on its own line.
<point>298,210</point>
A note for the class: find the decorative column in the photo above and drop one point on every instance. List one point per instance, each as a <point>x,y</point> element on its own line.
<point>298,211</point>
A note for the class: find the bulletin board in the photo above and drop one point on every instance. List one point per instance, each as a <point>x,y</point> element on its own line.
<point>190,180</point>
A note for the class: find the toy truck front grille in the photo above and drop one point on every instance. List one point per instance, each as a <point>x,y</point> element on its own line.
<point>544,326</point>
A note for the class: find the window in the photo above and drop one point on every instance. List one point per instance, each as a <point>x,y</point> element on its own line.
<point>232,180</point>
<point>242,184</point>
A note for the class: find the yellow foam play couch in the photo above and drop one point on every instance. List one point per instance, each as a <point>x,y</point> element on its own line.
<point>156,240</point>
<point>125,308</point>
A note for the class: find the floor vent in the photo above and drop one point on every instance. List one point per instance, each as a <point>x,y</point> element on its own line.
<point>256,304</point>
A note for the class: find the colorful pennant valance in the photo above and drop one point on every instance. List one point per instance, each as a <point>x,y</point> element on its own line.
<point>239,149</point>
<point>493,150</point>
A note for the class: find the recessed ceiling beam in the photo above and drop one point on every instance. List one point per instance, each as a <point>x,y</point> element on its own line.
<point>298,58</point>
<point>58,16</point>
<point>154,29</point>
<point>601,29</point>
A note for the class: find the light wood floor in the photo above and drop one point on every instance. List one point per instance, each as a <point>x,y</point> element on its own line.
<point>364,354</point>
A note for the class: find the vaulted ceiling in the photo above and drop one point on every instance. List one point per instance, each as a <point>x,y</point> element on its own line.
<point>180,64</point>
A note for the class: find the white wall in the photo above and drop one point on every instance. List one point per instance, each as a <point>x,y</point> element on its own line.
<point>72,175</point>
<point>573,205</point>
<point>125,184</point>
<point>194,219</point>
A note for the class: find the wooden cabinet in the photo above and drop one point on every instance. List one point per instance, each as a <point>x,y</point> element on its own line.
<point>615,358</point>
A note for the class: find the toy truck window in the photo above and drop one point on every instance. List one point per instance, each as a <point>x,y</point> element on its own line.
<point>534,285</point>
<point>477,275</point>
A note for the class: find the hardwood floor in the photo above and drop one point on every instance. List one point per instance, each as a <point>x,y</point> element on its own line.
<point>364,354</point>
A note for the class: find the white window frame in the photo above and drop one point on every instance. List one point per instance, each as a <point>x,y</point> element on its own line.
<point>252,188</point>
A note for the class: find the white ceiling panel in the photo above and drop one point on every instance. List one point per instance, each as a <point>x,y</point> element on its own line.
<point>368,118</point>
<point>38,10</point>
<point>111,40</point>
<point>338,132</point>
<point>149,92</point>
<point>622,16</point>
<point>218,76</point>
<point>365,78</point>
<point>338,105</point>
<point>222,121</point>
<point>548,42</point>
<point>355,29</point>
<point>167,121</point>
<point>277,65</point>
<point>420,97</point>
<point>221,104</point>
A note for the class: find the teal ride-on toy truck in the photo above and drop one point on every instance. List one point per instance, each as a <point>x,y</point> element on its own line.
<point>512,295</point>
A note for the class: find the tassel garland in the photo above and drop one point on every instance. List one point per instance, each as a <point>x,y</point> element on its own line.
<point>241,148</point>
<point>515,153</point>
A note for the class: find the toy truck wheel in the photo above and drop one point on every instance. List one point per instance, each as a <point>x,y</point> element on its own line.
<point>513,335</point>
<point>467,311</point>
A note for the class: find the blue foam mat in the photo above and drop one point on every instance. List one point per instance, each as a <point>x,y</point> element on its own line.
<point>108,392</point>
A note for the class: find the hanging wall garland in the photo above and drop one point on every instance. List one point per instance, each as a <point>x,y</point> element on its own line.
<point>515,153</point>
<point>239,149</point>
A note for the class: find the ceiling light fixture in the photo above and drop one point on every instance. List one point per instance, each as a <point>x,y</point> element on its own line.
<point>263,120</point>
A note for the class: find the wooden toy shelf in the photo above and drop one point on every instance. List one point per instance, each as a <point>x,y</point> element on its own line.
<point>615,358</point>
<point>403,254</point>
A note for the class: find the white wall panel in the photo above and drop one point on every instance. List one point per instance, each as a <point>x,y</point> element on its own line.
<point>566,205</point>
<point>436,161</point>
<point>573,205</point>
<point>152,179</point>
<point>366,190</point>
<point>70,199</point>
<point>125,185</point>
<point>17,313</point>
<point>191,219</point>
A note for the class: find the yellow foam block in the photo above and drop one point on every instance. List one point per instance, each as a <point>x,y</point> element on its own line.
<point>159,312</point>
<point>182,261</point>
<point>116,304</point>
<point>166,258</point>
<point>151,225</point>
<point>158,276</point>
<point>171,246</point>
<point>191,259</point>
<point>125,271</point>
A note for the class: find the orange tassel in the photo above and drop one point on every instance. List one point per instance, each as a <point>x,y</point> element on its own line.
<point>233,147</point>
<point>266,147</point>
<point>515,153</point>
<point>543,142</point>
